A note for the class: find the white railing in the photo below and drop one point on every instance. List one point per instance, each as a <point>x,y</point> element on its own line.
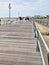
<point>46,46</point>
<point>44,43</point>
<point>44,22</point>
<point>41,53</point>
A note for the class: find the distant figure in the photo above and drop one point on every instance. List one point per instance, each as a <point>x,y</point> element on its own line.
<point>20,18</point>
<point>0,21</point>
<point>27,18</point>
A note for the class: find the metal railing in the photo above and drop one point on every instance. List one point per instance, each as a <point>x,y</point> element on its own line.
<point>41,45</point>
<point>44,22</point>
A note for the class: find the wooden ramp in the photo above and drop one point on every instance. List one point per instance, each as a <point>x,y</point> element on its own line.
<point>17,45</point>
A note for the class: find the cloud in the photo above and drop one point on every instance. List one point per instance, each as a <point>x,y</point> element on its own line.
<point>23,6</point>
<point>29,7</point>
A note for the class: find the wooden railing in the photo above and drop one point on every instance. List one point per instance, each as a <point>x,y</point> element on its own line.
<point>41,45</point>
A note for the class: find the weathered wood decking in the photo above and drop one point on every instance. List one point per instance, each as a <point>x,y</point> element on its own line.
<point>17,45</point>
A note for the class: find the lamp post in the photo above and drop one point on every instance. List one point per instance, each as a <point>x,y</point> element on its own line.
<point>9,11</point>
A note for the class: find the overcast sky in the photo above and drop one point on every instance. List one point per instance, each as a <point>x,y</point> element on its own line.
<point>24,7</point>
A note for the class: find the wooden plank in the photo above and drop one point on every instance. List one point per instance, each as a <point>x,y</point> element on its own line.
<point>18,47</point>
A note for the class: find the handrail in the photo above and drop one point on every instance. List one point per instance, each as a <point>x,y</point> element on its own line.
<point>44,22</point>
<point>40,48</point>
<point>41,53</point>
<point>46,46</point>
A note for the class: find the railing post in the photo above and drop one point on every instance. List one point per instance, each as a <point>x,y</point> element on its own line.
<point>34,30</point>
<point>47,23</point>
<point>37,36</point>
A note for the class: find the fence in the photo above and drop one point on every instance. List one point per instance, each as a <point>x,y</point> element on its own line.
<point>42,46</point>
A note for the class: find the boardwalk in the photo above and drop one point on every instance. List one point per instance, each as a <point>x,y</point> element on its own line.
<point>18,45</point>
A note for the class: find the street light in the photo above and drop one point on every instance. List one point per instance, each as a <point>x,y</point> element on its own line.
<point>9,11</point>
